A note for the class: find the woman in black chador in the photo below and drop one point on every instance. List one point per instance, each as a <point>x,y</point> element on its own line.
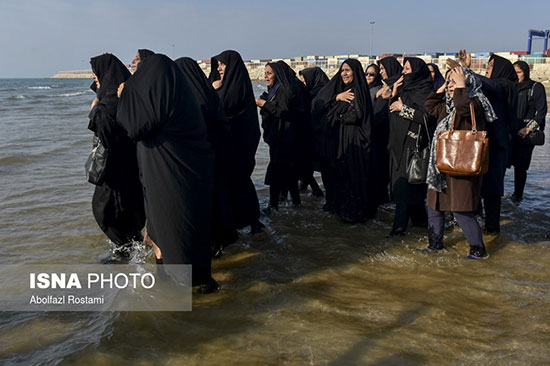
<point>157,108</point>
<point>314,78</point>
<point>217,128</point>
<point>283,108</point>
<point>230,78</point>
<point>117,203</point>
<point>407,119</point>
<point>380,133</point>
<point>345,110</point>
<point>531,114</point>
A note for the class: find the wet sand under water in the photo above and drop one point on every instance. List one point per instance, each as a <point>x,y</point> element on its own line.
<point>299,298</point>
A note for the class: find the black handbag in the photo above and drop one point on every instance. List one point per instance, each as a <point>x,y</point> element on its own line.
<point>417,167</point>
<point>536,137</point>
<point>96,165</point>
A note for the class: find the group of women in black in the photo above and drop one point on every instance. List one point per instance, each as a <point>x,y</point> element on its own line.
<point>182,146</point>
<point>181,154</point>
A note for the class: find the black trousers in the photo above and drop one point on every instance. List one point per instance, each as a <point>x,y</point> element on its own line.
<point>491,204</point>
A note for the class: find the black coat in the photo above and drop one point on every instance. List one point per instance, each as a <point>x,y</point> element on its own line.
<point>159,111</point>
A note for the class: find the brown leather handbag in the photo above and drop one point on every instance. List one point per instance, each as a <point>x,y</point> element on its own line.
<point>463,153</point>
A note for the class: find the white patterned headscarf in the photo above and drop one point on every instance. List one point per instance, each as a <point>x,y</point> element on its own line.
<point>436,179</point>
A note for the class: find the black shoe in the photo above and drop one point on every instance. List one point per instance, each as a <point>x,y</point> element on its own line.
<point>433,248</point>
<point>516,199</point>
<point>257,228</point>
<point>400,231</point>
<point>209,287</point>
<point>303,186</point>
<point>478,253</point>
<point>269,209</point>
<point>492,231</point>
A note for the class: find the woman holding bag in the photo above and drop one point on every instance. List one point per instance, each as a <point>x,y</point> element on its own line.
<point>459,195</point>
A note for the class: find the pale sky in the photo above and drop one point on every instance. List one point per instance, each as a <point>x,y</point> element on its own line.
<point>40,38</point>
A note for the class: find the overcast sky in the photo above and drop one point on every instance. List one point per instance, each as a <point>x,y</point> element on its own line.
<point>40,38</point>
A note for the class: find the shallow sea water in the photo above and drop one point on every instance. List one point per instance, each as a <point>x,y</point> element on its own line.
<point>314,292</point>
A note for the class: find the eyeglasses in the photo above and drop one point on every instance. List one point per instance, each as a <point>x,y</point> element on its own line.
<point>370,74</point>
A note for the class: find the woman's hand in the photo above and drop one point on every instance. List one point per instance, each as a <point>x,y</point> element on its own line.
<point>346,96</point>
<point>217,84</point>
<point>396,86</point>
<point>465,59</point>
<point>94,102</point>
<point>523,132</point>
<point>457,74</point>
<point>396,106</point>
<point>451,64</point>
<point>260,102</point>
<point>384,92</point>
<point>119,90</point>
<point>442,88</point>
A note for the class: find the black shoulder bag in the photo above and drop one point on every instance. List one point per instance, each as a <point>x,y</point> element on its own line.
<point>417,167</point>
<point>96,165</point>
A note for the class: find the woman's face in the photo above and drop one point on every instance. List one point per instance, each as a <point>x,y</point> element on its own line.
<point>346,74</point>
<point>221,69</point>
<point>432,71</point>
<point>370,75</point>
<point>269,76</point>
<point>383,72</point>
<point>451,85</point>
<point>302,79</point>
<point>407,69</point>
<point>136,61</point>
<point>519,71</point>
<point>96,79</point>
<point>489,69</point>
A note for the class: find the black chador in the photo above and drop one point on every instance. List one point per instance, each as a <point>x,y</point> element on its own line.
<point>314,78</point>
<point>159,111</point>
<point>346,146</point>
<point>218,132</point>
<point>239,105</point>
<point>117,204</point>
<point>285,110</point>
<point>501,90</point>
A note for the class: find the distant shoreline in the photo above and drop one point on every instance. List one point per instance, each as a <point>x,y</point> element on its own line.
<point>540,66</point>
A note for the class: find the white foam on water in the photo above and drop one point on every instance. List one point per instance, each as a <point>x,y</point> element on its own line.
<point>39,87</point>
<point>72,94</point>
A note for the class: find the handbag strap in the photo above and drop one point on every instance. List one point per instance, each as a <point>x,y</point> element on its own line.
<point>472,116</point>
<point>417,146</point>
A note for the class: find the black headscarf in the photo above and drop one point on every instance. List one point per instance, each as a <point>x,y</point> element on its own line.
<point>438,78</point>
<point>236,90</point>
<point>417,84</point>
<point>505,74</point>
<point>377,79</point>
<point>111,72</point>
<point>315,79</point>
<point>523,88</point>
<point>144,53</point>
<point>393,69</point>
<point>205,93</point>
